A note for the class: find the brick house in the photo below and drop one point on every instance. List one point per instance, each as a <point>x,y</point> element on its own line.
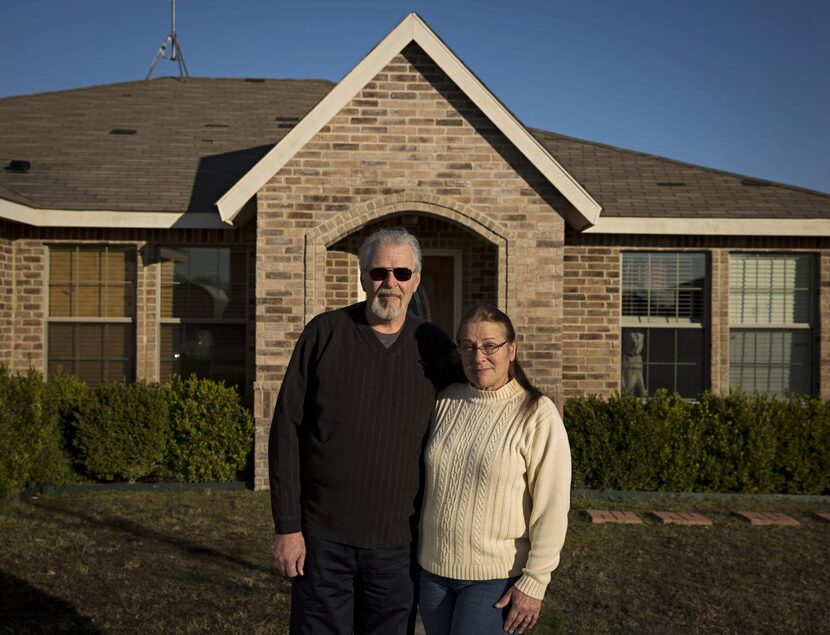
<point>176,226</point>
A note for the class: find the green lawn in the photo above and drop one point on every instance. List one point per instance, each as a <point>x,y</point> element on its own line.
<point>180,562</point>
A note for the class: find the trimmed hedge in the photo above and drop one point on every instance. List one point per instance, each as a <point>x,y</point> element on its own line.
<point>197,430</point>
<point>211,431</point>
<point>62,431</point>
<point>122,431</point>
<point>33,439</point>
<point>721,443</point>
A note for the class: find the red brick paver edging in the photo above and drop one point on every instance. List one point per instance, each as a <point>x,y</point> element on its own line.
<point>682,518</point>
<point>604,516</point>
<point>769,518</point>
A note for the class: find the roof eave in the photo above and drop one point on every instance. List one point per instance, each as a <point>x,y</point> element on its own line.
<point>112,219</point>
<point>411,29</point>
<point>790,227</point>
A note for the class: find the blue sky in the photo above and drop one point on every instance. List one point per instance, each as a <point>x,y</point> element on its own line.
<point>738,85</point>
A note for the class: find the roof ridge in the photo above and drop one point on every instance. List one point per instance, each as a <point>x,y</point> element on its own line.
<point>648,155</point>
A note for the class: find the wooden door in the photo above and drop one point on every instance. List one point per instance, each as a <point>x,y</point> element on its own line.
<point>435,298</point>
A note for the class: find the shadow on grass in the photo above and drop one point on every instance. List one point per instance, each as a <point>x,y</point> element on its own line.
<point>139,531</point>
<point>25,609</point>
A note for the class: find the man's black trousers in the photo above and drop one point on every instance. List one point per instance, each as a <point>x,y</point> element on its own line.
<point>354,590</point>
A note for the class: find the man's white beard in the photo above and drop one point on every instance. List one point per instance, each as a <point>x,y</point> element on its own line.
<point>386,312</point>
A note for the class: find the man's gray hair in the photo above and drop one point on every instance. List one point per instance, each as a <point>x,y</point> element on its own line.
<point>396,236</point>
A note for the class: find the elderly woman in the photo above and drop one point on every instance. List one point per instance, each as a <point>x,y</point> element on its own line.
<point>498,475</point>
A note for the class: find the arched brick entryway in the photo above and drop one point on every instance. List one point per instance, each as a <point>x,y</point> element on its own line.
<point>438,223</point>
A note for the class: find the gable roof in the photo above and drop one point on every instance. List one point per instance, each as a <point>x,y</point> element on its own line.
<point>413,29</point>
<point>153,153</point>
<point>195,138</point>
<point>644,193</point>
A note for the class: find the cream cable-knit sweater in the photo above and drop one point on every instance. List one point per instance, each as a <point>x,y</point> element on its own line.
<point>497,488</point>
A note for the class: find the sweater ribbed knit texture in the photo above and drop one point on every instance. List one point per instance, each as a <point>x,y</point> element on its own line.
<point>497,488</point>
<point>349,426</point>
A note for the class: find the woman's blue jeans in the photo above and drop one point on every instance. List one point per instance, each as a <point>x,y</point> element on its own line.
<point>461,607</point>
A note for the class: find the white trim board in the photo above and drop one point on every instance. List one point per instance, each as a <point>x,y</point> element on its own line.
<point>19,213</point>
<point>411,29</point>
<point>713,226</point>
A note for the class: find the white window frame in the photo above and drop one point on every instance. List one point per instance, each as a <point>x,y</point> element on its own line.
<point>782,327</point>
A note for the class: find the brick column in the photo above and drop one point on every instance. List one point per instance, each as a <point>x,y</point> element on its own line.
<point>823,352</point>
<point>29,305</point>
<point>591,321</point>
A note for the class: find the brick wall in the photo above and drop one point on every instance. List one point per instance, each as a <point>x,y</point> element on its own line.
<point>23,289</point>
<point>29,305</point>
<point>592,291</point>
<point>591,320</point>
<point>7,284</point>
<point>409,142</point>
<point>824,325</point>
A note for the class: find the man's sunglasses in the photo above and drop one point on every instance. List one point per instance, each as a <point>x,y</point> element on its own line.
<point>402,274</point>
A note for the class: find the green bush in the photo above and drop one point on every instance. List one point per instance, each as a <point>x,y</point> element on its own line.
<point>62,431</point>
<point>64,394</point>
<point>22,432</point>
<point>122,432</point>
<point>722,443</point>
<point>33,450</point>
<point>211,432</point>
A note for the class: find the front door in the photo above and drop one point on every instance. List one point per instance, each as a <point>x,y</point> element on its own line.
<point>437,298</point>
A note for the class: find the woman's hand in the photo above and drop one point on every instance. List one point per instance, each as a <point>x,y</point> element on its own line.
<point>523,613</point>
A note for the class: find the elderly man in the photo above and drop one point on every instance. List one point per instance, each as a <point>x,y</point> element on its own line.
<point>345,446</point>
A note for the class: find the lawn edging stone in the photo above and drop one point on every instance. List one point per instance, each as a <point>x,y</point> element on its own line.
<point>761,519</point>
<point>690,519</point>
<point>607,516</point>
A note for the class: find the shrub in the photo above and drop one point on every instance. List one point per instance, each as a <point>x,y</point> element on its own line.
<point>33,450</point>
<point>730,443</point>
<point>63,396</point>
<point>22,433</point>
<point>122,432</point>
<point>211,432</point>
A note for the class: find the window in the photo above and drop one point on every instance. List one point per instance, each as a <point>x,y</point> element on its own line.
<point>663,309</point>
<point>771,335</point>
<point>91,329</point>
<point>203,313</point>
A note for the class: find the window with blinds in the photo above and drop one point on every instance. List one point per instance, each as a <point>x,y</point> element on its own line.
<point>771,314</point>
<point>203,321</point>
<point>91,330</point>
<point>663,320</point>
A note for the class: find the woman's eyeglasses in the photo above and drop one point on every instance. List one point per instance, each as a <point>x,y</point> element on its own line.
<point>402,274</point>
<point>488,349</point>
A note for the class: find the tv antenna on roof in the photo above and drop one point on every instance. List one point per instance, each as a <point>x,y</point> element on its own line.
<point>171,44</point>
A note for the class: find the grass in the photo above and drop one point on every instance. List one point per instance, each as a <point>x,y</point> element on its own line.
<point>198,562</point>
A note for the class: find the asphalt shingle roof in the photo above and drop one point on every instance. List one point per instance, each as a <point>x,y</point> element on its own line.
<point>628,183</point>
<point>157,145</point>
<point>171,145</point>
